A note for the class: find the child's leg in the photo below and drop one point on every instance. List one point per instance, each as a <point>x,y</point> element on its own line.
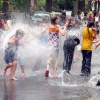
<point>9,74</point>
<point>22,70</point>
<point>48,67</point>
<point>13,70</point>
<point>21,63</point>
<point>76,55</point>
<point>49,63</point>
<point>55,68</point>
<point>7,67</point>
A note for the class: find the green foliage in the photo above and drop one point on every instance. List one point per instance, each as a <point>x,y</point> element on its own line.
<point>39,3</point>
<point>64,4</point>
<point>65,1</point>
<point>18,3</point>
<point>1,1</point>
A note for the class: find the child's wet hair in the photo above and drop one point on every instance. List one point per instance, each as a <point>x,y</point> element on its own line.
<point>53,19</point>
<point>20,32</point>
<point>90,24</point>
<point>71,19</point>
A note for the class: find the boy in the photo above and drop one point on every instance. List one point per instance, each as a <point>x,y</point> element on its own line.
<point>70,43</point>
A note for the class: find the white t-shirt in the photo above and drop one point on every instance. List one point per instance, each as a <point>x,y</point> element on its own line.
<point>96,19</point>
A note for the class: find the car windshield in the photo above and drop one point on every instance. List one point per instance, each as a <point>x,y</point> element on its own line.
<point>40,15</point>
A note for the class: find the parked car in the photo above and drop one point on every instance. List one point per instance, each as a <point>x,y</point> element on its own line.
<point>55,13</point>
<point>40,16</point>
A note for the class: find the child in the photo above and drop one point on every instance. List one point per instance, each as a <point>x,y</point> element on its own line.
<point>88,34</point>
<point>97,41</point>
<point>70,43</point>
<point>11,53</point>
<point>96,44</point>
<point>53,43</point>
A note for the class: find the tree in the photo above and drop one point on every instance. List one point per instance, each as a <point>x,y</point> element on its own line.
<point>55,4</point>
<point>81,5</point>
<point>5,7</point>
<point>75,6</point>
<point>48,5</point>
<point>98,5</point>
<point>95,5</point>
<point>89,4</point>
<point>26,6</point>
<point>19,4</point>
<point>69,4</point>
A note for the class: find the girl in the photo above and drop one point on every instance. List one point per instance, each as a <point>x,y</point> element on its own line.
<point>53,43</point>
<point>11,53</point>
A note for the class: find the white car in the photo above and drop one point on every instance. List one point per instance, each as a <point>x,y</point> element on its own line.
<point>55,13</point>
<point>40,16</point>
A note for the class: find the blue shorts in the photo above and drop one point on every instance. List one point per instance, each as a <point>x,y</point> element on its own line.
<point>10,56</point>
<point>20,60</point>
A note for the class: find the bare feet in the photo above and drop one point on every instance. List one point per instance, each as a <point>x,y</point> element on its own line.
<point>13,78</point>
<point>22,75</point>
<point>8,75</point>
<point>4,73</point>
<point>55,76</point>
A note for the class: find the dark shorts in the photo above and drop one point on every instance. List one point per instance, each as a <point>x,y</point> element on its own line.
<point>10,56</point>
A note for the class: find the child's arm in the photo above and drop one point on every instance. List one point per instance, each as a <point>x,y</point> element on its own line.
<point>11,40</point>
<point>63,31</point>
<point>43,31</point>
<point>95,41</point>
<point>96,45</point>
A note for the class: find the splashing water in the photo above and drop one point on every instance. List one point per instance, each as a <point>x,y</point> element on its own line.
<point>32,49</point>
<point>35,52</point>
<point>92,82</point>
<point>75,82</point>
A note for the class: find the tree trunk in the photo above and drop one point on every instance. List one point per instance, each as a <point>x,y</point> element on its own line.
<point>81,5</point>
<point>5,7</point>
<point>75,7</point>
<point>27,5</point>
<point>55,4</point>
<point>48,5</point>
<point>89,5</point>
<point>98,5</point>
<point>95,5</point>
<point>86,4</point>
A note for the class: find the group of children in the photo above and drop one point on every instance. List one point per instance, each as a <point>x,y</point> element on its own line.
<point>89,35</point>
<point>71,41</point>
<point>53,45</point>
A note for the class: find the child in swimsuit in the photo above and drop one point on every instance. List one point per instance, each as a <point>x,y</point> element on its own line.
<point>53,43</point>
<point>11,53</point>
